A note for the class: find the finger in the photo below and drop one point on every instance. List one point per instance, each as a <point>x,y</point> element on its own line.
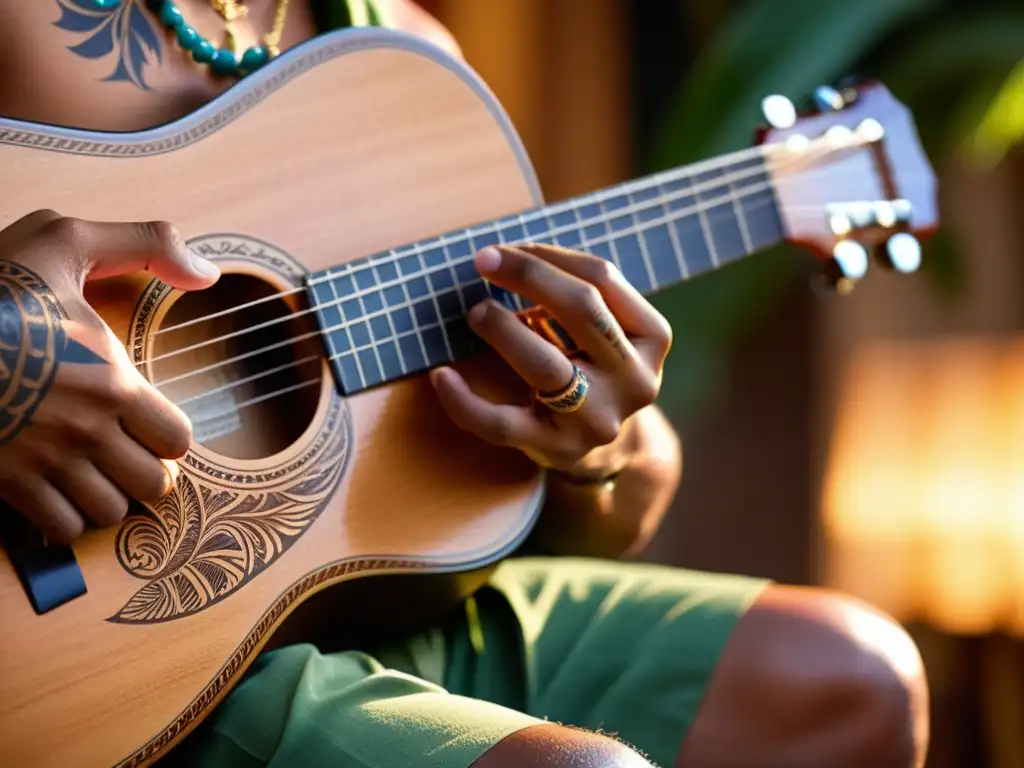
<point>136,471</point>
<point>505,425</point>
<point>574,303</point>
<point>48,509</point>
<point>156,423</point>
<point>25,227</point>
<point>539,362</point>
<point>93,493</point>
<point>638,317</point>
<point>105,249</point>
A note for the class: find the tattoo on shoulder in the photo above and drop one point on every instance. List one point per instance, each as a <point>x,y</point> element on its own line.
<point>33,345</point>
<point>124,34</point>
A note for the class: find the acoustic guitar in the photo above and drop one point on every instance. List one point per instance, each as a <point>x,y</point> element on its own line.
<point>343,189</point>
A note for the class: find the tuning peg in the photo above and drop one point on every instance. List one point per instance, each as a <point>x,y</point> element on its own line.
<point>847,86</point>
<point>828,99</point>
<point>779,111</point>
<point>852,259</point>
<point>829,280</point>
<point>903,252</point>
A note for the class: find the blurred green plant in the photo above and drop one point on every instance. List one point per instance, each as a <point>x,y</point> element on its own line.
<point>958,65</point>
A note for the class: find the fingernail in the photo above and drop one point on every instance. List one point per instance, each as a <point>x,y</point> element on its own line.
<point>204,267</point>
<point>476,313</point>
<point>489,259</point>
<point>171,468</point>
<point>438,375</point>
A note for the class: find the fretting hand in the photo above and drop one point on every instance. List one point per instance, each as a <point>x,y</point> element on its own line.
<point>625,341</point>
<point>81,430</point>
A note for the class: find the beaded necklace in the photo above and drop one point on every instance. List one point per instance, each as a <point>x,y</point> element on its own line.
<point>224,61</point>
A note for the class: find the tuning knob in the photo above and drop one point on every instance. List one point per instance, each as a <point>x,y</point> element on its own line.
<point>828,99</point>
<point>849,263</point>
<point>846,86</point>
<point>779,111</point>
<point>852,259</point>
<point>902,252</point>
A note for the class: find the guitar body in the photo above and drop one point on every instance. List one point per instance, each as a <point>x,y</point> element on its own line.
<point>351,144</point>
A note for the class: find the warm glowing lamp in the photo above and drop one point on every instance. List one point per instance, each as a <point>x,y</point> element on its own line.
<point>923,505</point>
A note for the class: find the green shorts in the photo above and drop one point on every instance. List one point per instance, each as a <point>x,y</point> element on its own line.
<point>625,649</point>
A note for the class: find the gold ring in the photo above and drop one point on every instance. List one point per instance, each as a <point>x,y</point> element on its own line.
<point>571,397</point>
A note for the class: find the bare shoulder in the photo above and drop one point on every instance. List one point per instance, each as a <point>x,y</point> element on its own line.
<point>410,17</point>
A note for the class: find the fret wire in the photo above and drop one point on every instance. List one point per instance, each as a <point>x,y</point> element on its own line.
<point>705,227</point>
<point>748,244</point>
<point>610,233</point>
<point>391,322</point>
<point>412,318</point>
<point>677,247</point>
<point>585,242</point>
<point>550,222</point>
<point>347,326</point>
<point>369,327</point>
<point>437,309</point>
<point>455,277</point>
<point>522,223</point>
<point>501,239</point>
<point>644,254</point>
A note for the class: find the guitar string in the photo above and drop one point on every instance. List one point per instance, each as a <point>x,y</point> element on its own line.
<point>296,363</point>
<point>449,264</point>
<point>628,188</point>
<point>330,329</point>
<point>807,211</point>
<point>344,324</point>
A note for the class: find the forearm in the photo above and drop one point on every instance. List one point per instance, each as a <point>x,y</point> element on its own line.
<point>618,518</point>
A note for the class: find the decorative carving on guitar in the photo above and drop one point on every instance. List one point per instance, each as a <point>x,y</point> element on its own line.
<point>210,536</point>
<point>222,526</point>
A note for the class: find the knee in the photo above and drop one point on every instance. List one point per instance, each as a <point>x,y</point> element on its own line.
<point>841,675</point>
<point>554,746</point>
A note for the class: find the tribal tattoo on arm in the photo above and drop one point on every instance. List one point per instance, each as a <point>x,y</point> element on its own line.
<point>33,345</point>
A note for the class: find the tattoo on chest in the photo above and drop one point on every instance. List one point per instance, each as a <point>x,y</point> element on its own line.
<point>33,345</point>
<point>123,35</point>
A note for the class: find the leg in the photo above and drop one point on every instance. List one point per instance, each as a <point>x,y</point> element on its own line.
<point>298,708</point>
<point>697,670</point>
<point>809,679</point>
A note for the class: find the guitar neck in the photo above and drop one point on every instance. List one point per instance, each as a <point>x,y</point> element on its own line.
<point>403,311</point>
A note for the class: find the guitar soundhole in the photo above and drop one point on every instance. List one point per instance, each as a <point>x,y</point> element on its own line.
<point>249,379</point>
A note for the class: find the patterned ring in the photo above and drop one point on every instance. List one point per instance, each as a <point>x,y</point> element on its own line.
<point>571,397</point>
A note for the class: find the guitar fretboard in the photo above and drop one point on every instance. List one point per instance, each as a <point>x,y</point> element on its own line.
<point>402,311</point>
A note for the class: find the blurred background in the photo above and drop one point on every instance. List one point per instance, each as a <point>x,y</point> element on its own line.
<point>873,442</point>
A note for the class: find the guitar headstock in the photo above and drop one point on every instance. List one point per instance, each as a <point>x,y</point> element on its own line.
<point>851,179</point>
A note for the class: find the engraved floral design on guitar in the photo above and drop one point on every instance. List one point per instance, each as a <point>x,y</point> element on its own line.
<point>33,344</point>
<point>218,530</point>
<point>220,527</point>
<point>124,31</point>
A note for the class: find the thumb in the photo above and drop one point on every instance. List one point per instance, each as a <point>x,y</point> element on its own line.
<point>107,249</point>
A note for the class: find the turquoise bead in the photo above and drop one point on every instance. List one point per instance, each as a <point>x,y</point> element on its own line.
<point>171,16</point>
<point>103,5</point>
<point>188,38</point>
<point>203,51</point>
<point>254,58</point>
<point>224,63</point>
